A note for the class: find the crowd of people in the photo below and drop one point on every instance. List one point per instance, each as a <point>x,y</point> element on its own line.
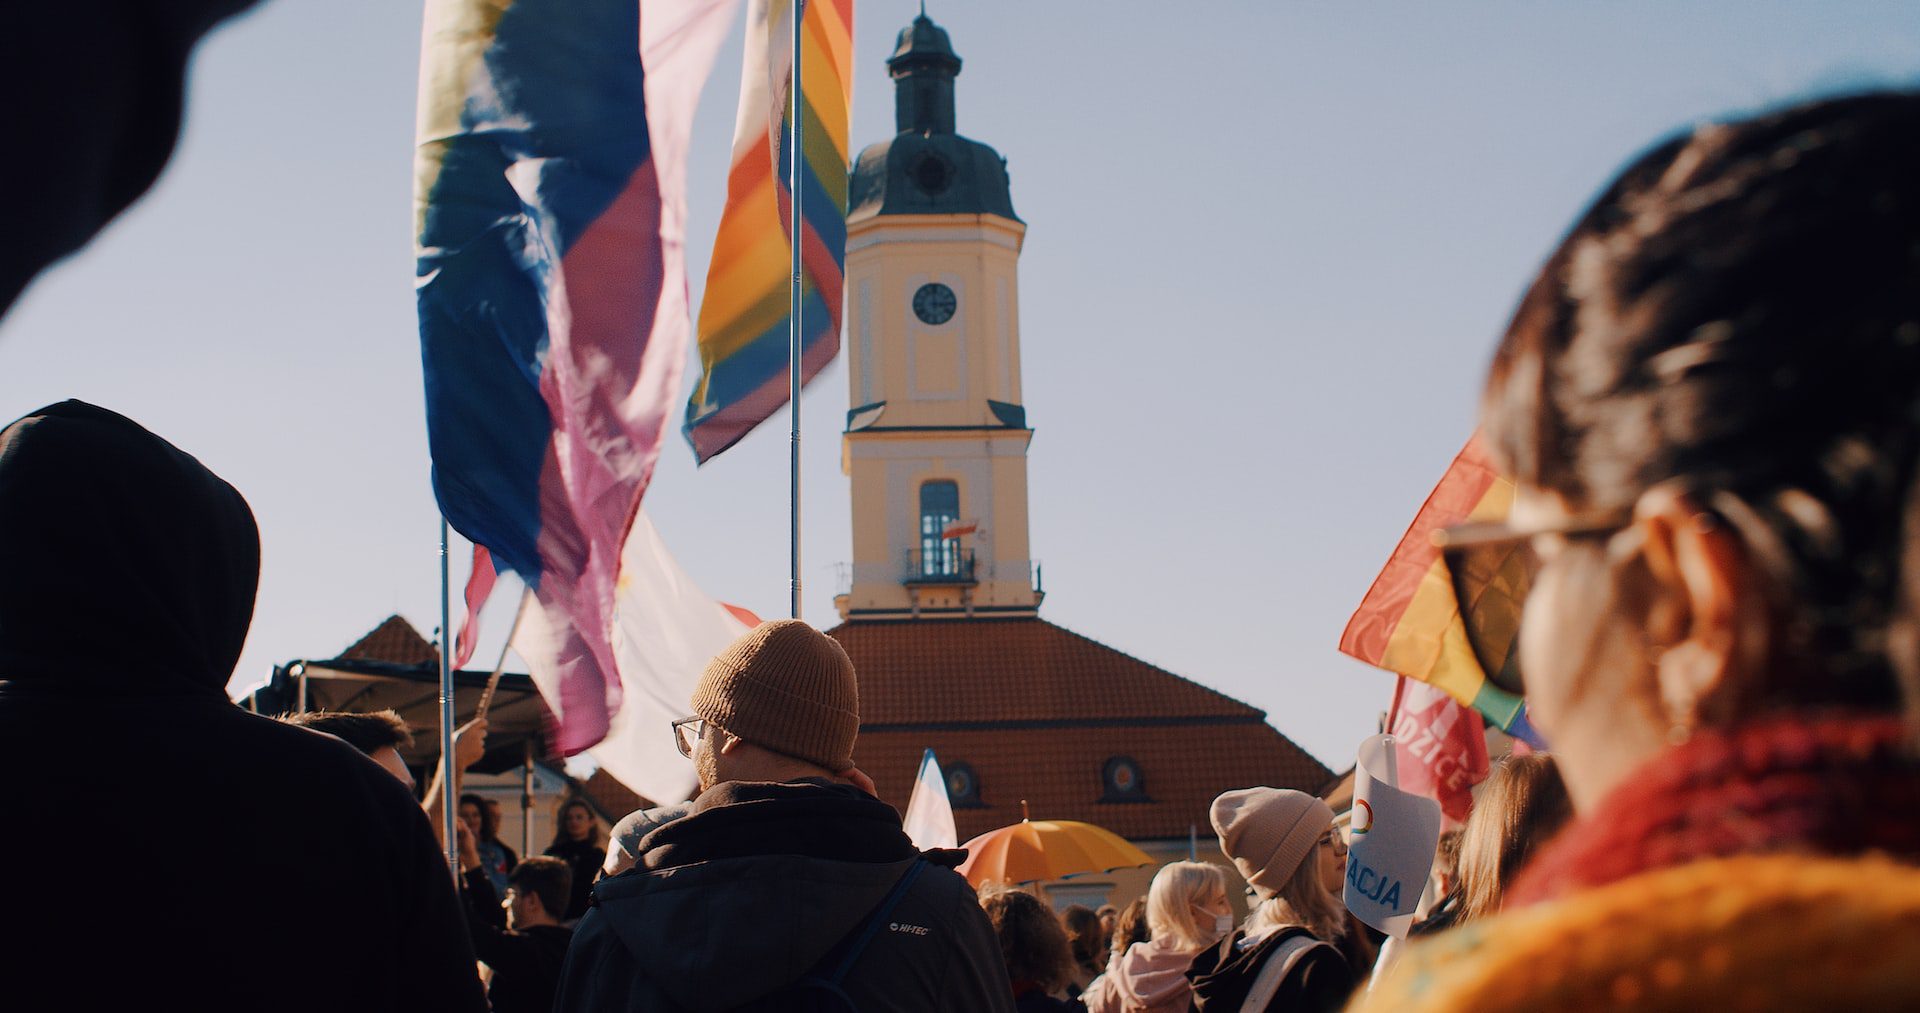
<point>1709,401</point>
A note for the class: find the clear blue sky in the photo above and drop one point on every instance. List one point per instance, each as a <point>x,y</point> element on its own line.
<point>1270,246</point>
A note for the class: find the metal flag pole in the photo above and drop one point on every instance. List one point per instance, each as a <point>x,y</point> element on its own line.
<point>793,314</point>
<point>449,804</point>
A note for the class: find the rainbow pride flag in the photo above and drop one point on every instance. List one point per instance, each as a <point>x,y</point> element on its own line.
<point>549,202</point>
<point>744,343</point>
<point>1410,621</point>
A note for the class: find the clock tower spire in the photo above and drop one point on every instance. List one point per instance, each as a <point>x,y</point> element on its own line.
<point>937,435</point>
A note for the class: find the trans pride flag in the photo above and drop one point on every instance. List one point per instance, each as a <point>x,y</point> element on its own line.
<point>549,202</point>
<point>744,343</point>
<point>1410,621</point>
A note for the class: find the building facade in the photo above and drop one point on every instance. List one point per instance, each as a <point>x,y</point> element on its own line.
<point>936,440</point>
<point>941,611</point>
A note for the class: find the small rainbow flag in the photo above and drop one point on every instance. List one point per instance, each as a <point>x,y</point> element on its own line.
<point>549,201</point>
<point>1410,622</point>
<point>744,344</point>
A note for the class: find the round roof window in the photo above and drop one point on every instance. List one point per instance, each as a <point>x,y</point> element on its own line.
<point>1122,781</point>
<point>963,787</point>
<point>932,174</point>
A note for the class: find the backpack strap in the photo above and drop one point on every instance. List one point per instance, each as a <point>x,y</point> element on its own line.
<point>872,928</point>
<point>819,988</point>
<point>1275,969</point>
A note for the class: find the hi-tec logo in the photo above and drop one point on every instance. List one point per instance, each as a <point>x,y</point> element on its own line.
<point>918,930</point>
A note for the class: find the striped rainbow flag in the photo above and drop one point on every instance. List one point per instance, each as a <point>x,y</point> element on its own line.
<point>549,198</point>
<point>744,343</point>
<point>1410,622</point>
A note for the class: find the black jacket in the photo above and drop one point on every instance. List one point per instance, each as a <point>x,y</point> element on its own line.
<point>1222,976</point>
<point>745,895</point>
<point>583,859</point>
<point>525,962</point>
<point>233,862</point>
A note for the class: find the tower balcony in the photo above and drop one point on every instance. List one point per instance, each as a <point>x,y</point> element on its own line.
<point>953,584</point>
<point>948,565</point>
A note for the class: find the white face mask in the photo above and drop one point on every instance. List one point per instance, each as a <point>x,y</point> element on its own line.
<point>1222,924</point>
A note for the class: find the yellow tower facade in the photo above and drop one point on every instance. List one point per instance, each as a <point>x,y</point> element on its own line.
<point>936,440</point>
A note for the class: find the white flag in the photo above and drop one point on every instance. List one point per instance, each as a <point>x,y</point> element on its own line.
<point>666,630</point>
<point>929,819</point>
<point>1393,837</point>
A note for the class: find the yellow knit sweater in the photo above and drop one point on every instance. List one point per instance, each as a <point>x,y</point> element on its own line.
<point>1772,932</point>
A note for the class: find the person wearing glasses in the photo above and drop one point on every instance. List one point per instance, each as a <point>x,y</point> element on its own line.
<point>787,883</point>
<point>1709,402</point>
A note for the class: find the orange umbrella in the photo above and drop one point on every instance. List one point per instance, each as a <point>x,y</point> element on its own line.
<point>1033,850</point>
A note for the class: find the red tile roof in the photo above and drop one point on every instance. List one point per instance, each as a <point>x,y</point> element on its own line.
<point>1034,709</point>
<point>1037,710</point>
<point>396,641</point>
<point>933,670</point>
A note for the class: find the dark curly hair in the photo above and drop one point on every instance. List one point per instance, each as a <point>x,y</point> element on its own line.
<point>1739,313</point>
<point>1032,941</point>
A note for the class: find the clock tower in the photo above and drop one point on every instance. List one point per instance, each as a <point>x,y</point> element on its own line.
<point>936,438</point>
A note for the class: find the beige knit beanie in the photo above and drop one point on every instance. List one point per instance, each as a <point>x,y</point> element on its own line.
<point>1268,832</point>
<point>787,687</point>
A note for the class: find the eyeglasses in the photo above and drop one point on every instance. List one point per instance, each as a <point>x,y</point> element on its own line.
<point>687,732</point>
<point>1492,566</point>
<point>1337,841</point>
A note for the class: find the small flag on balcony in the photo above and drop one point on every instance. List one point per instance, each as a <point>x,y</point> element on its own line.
<point>959,528</point>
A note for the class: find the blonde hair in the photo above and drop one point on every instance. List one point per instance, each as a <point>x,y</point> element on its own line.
<point>1304,901</point>
<point>1173,903</point>
<point>1523,804</point>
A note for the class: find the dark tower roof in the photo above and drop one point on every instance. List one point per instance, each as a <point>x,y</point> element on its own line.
<point>923,45</point>
<point>927,168</point>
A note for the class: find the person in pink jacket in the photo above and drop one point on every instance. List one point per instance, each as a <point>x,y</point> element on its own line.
<point>1187,912</point>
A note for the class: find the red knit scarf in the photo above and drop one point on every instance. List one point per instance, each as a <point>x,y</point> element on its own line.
<point>1833,785</point>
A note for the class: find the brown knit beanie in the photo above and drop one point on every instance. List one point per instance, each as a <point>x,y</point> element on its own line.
<point>1268,832</point>
<point>787,687</point>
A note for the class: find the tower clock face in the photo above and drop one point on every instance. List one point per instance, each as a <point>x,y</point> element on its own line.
<point>934,303</point>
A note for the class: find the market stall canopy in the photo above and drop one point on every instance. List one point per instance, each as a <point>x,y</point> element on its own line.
<point>406,678</point>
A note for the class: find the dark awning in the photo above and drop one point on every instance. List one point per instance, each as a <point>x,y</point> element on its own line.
<point>516,718</point>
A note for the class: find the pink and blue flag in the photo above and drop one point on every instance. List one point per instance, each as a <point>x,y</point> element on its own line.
<point>549,198</point>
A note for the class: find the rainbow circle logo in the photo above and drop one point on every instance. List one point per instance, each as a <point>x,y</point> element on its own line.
<point>1360,828</point>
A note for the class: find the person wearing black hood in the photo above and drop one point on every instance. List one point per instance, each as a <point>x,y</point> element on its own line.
<point>788,882</point>
<point>277,867</point>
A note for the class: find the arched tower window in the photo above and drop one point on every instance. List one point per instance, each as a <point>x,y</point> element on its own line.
<point>939,509</point>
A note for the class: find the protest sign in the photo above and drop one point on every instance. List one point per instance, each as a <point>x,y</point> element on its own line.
<point>1393,838</point>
